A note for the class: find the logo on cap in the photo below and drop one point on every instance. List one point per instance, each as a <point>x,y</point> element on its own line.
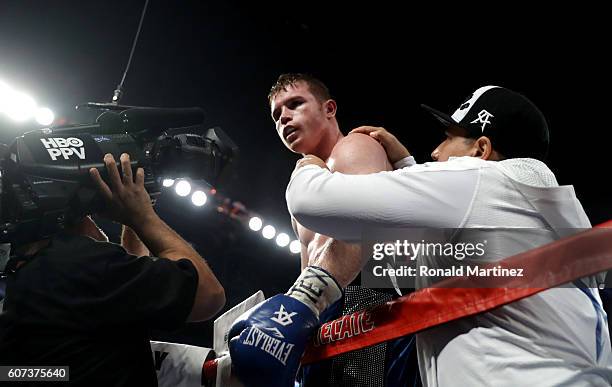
<point>483,118</point>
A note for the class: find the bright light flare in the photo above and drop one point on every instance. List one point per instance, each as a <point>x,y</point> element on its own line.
<point>268,232</point>
<point>182,188</point>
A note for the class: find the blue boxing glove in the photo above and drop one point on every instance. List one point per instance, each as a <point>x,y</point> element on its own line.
<point>267,342</point>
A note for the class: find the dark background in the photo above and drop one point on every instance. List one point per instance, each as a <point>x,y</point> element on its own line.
<point>380,60</point>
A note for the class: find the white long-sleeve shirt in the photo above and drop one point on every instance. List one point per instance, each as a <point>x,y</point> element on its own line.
<point>557,337</point>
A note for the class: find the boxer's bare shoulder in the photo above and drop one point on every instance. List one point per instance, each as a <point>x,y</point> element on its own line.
<point>358,154</point>
<point>354,154</point>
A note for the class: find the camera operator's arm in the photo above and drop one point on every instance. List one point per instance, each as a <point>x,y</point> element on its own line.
<point>132,244</point>
<point>88,227</point>
<point>128,202</point>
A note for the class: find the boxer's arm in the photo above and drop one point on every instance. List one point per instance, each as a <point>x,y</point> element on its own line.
<point>355,154</point>
<point>343,206</point>
<point>303,247</point>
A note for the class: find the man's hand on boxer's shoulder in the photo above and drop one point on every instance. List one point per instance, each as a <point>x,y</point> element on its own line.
<point>394,148</point>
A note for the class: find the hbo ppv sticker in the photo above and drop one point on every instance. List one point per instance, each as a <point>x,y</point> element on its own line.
<point>65,147</point>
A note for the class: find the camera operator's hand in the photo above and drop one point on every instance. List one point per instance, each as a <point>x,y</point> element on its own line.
<point>127,200</point>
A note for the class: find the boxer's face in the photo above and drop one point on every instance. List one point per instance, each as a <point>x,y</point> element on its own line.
<point>300,118</point>
<point>455,144</point>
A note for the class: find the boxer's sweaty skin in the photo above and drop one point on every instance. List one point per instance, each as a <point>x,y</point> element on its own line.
<point>355,154</point>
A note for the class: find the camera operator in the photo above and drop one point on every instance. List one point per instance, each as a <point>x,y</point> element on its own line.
<point>77,300</point>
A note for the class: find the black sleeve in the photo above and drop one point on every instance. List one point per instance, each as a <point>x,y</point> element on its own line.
<point>157,292</point>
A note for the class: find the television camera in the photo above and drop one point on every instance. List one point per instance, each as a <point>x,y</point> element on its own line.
<point>44,174</point>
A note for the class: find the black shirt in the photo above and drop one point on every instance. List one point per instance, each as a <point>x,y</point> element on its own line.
<point>89,305</point>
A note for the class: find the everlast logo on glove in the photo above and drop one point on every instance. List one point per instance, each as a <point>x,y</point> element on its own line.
<point>280,327</point>
<point>279,349</point>
<point>66,147</point>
